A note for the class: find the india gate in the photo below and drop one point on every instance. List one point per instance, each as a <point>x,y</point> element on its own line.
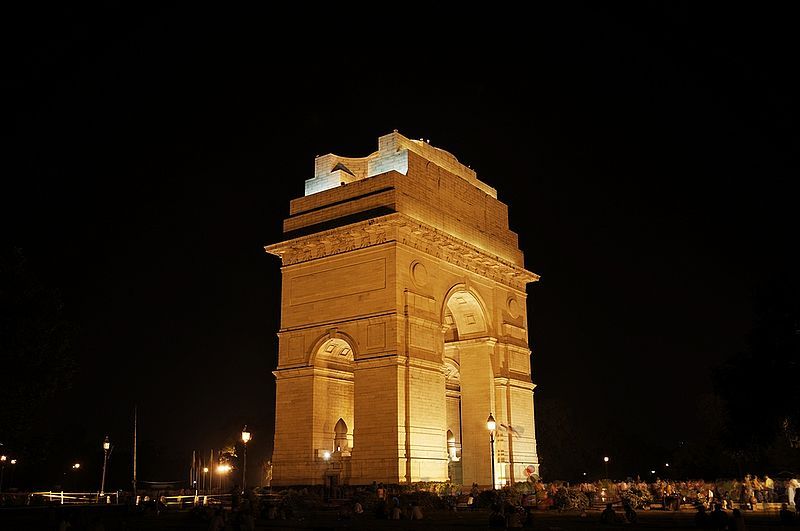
<point>403,326</point>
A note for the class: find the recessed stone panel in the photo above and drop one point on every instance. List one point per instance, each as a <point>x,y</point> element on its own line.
<point>338,282</point>
<point>376,335</point>
<point>296,351</point>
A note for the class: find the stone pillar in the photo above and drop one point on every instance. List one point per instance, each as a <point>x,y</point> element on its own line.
<point>477,401</point>
<point>377,441</point>
<point>293,456</point>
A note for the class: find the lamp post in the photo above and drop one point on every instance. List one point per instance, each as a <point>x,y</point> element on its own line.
<point>605,460</point>
<point>74,478</point>
<point>205,473</point>
<point>13,467</point>
<point>221,471</point>
<point>326,457</point>
<point>106,448</point>
<point>491,425</point>
<point>245,439</point>
<point>3,459</point>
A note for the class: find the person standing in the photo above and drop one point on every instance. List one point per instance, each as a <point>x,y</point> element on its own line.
<point>791,488</point>
<point>590,490</point>
<point>758,489</point>
<point>769,488</point>
<point>747,492</point>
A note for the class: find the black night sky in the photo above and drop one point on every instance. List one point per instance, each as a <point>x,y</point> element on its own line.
<point>647,154</point>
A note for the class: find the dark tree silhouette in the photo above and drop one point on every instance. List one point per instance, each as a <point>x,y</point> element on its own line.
<point>762,384</point>
<point>34,348</point>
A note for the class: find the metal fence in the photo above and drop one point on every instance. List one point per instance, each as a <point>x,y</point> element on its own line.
<point>70,498</point>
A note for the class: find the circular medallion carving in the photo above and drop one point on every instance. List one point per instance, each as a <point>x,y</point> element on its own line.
<point>514,308</point>
<point>419,273</point>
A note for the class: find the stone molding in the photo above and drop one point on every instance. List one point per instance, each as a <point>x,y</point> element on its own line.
<point>307,370</point>
<point>402,229</point>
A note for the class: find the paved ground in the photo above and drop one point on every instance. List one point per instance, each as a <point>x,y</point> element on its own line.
<point>32,519</point>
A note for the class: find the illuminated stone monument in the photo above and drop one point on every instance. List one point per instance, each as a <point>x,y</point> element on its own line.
<point>403,326</point>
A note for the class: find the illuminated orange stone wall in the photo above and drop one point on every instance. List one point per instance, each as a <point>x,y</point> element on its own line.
<point>403,317</point>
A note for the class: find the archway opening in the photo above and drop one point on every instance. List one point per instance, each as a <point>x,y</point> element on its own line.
<point>340,442</point>
<point>333,397</point>
<point>469,381</point>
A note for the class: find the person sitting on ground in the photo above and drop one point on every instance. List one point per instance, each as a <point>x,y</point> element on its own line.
<point>382,509</point>
<point>609,515</point>
<point>630,514</point>
<point>416,511</point>
<point>217,522</point>
<point>786,516</point>
<point>718,518</point>
<point>496,518</point>
<point>737,521</point>
<point>529,517</point>
<point>395,513</point>
<point>701,517</point>
<point>513,520</point>
<point>246,520</point>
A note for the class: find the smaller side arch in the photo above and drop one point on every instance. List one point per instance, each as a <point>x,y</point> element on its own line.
<point>333,347</point>
<point>340,443</point>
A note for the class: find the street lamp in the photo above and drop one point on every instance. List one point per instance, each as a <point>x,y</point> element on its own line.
<point>221,471</point>
<point>205,473</point>
<point>326,458</point>
<point>491,425</point>
<point>106,448</point>
<point>3,459</point>
<point>605,460</point>
<point>245,439</point>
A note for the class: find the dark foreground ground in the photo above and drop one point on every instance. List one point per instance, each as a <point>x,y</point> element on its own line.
<point>33,519</point>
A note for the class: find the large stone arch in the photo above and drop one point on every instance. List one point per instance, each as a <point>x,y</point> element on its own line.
<point>468,341</point>
<point>388,249</point>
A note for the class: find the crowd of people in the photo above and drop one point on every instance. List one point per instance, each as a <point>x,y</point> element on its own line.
<point>718,504</point>
<point>747,493</point>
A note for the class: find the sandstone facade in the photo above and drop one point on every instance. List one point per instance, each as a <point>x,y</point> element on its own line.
<point>403,326</point>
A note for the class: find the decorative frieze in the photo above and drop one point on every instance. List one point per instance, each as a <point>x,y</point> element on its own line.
<point>407,231</point>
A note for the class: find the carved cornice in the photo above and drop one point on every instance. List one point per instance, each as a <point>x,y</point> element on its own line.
<point>334,241</point>
<point>408,231</point>
<point>456,251</point>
